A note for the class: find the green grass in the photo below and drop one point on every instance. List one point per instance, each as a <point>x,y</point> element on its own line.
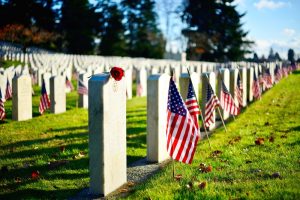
<point>57,146</point>
<point>243,170</point>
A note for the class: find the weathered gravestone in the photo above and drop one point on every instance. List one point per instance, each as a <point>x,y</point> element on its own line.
<point>250,76</point>
<point>83,98</point>
<point>107,134</point>
<point>57,94</point>
<point>243,74</point>
<point>22,98</point>
<point>157,98</point>
<point>233,83</point>
<point>211,79</point>
<point>184,80</point>
<point>128,75</point>
<point>223,75</point>
<point>141,80</point>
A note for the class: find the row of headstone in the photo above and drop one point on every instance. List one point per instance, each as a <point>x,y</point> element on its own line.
<point>107,118</point>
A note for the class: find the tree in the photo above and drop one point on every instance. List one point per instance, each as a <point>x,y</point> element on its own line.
<point>26,36</point>
<point>271,56</point>
<point>78,26</point>
<point>277,57</point>
<point>291,55</point>
<point>214,31</point>
<point>112,30</point>
<point>143,37</point>
<point>255,57</point>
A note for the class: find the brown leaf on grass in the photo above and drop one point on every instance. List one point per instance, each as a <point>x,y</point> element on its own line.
<point>260,141</point>
<point>202,185</point>
<point>79,155</point>
<point>235,140</point>
<point>208,169</point>
<point>205,169</point>
<point>56,164</point>
<point>276,175</point>
<point>189,185</point>
<point>178,177</point>
<point>35,175</point>
<point>267,123</point>
<point>62,148</point>
<point>18,180</point>
<point>216,153</point>
<point>271,139</point>
<point>123,190</point>
<point>130,183</point>
<point>283,136</point>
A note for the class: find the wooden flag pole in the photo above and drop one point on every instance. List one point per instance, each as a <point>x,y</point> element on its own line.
<point>218,108</point>
<point>200,112</point>
<point>173,163</point>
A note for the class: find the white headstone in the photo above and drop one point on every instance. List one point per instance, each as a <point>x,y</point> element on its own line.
<point>22,98</point>
<point>128,76</point>
<point>250,77</point>
<point>46,77</point>
<point>157,99</point>
<point>141,80</point>
<point>223,76</point>
<point>83,99</point>
<point>184,84</point>
<point>233,83</point>
<point>107,134</point>
<point>243,75</point>
<point>57,95</point>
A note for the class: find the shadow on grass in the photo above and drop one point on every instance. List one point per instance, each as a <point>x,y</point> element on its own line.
<point>296,72</point>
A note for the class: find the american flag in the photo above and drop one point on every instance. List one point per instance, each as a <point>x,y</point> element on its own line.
<point>82,89</point>
<point>268,79</point>
<point>227,102</point>
<point>239,90</point>
<point>2,110</point>
<point>256,87</point>
<point>182,133</point>
<point>277,73</point>
<point>44,100</point>
<point>192,104</point>
<point>69,84</point>
<point>212,102</point>
<point>8,91</point>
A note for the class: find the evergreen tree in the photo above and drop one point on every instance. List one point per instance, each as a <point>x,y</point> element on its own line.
<point>78,26</point>
<point>291,55</point>
<point>144,38</point>
<point>111,30</point>
<point>271,56</point>
<point>277,57</point>
<point>214,31</point>
<point>255,57</point>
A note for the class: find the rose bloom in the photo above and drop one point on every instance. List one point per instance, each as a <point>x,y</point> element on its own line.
<point>117,73</point>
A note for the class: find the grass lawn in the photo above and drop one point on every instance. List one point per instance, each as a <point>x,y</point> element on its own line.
<point>56,146</point>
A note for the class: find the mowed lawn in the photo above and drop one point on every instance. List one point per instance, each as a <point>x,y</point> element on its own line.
<point>56,147</point>
<point>242,169</point>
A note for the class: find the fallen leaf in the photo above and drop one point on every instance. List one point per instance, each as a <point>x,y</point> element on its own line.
<point>190,185</point>
<point>271,139</point>
<point>178,177</point>
<point>276,175</point>
<point>123,190</point>
<point>35,175</point>
<point>208,168</point>
<point>55,164</point>
<point>216,153</point>
<point>202,185</point>
<point>18,180</point>
<point>130,183</point>
<point>283,136</point>
<point>62,148</point>
<point>259,141</point>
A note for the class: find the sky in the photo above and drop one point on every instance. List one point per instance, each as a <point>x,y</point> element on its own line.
<point>270,23</point>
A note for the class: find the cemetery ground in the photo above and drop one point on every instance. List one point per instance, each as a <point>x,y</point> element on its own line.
<point>257,158</point>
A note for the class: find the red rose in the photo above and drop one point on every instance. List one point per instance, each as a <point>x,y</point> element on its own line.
<point>117,73</point>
